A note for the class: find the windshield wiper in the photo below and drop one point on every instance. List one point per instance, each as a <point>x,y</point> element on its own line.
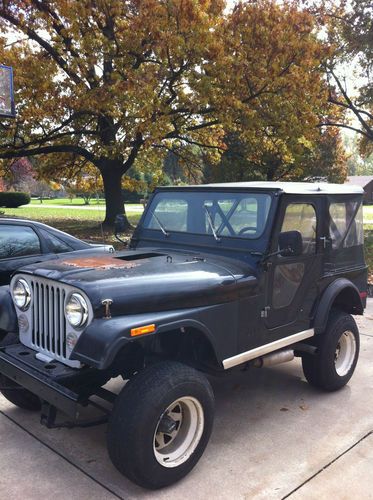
<point>163,229</point>
<point>211,224</point>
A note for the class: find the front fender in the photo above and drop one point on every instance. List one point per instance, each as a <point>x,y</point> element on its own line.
<point>8,315</point>
<point>104,338</point>
<point>343,293</point>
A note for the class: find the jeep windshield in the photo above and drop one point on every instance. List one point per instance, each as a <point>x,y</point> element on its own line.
<point>219,214</point>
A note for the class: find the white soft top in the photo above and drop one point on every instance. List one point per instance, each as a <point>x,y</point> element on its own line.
<point>292,187</point>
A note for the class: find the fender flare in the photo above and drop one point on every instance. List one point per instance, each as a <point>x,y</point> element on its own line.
<point>351,302</point>
<point>100,351</point>
<point>163,328</point>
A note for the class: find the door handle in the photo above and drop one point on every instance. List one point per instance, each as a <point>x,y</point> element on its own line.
<point>325,241</point>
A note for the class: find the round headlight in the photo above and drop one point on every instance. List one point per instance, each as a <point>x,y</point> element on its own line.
<point>21,294</point>
<point>76,310</point>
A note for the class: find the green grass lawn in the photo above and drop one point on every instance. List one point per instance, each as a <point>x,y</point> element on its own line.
<point>79,202</point>
<point>368,238</point>
<point>368,214</point>
<point>368,244</point>
<point>42,214</point>
<point>68,202</point>
<point>31,212</point>
<point>84,224</point>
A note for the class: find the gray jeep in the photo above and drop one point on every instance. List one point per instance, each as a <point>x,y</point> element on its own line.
<point>216,277</point>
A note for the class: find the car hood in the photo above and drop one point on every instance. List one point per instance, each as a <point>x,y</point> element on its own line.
<point>152,280</point>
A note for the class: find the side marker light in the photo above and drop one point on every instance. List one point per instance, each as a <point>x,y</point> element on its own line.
<point>142,330</point>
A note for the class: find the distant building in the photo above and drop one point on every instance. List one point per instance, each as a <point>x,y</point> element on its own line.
<point>364,181</point>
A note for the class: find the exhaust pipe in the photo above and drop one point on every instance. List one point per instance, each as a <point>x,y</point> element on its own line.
<point>275,358</point>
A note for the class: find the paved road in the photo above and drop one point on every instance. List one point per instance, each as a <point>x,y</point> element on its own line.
<point>274,438</point>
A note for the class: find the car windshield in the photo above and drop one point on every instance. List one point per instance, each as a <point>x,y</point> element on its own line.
<point>219,214</point>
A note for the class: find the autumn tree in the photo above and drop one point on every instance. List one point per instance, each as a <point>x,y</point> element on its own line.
<point>357,164</point>
<point>41,189</point>
<point>2,183</point>
<point>19,174</point>
<point>350,30</point>
<point>323,159</point>
<point>86,184</point>
<point>114,82</point>
<point>327,159</point>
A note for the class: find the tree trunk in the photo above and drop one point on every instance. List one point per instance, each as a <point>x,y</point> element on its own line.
<point>112,178</point>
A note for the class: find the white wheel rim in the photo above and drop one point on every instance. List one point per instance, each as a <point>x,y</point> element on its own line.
<point>175,446</point>
<point>345,353</point>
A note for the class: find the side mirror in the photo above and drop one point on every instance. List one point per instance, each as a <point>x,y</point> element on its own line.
<point>119,224</point>
<point>290,244</point>
<point>120,227</point>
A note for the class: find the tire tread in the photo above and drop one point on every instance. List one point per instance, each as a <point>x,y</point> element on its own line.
<point>138,398</point>
<point>319,369</point>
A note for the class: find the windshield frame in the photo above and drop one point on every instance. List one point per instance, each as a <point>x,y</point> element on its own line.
<point>178,238</point>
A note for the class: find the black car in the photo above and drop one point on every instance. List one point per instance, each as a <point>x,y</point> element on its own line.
<point>24,242</point>
<point>216,277</point>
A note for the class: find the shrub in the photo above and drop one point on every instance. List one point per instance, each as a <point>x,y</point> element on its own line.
<point>14,200</point>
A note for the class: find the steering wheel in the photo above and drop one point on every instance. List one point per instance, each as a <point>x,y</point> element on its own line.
<point>247,228</point>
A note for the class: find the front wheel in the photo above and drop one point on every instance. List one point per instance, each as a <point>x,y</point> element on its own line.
<point>337,353</point>
<point>160,424</point>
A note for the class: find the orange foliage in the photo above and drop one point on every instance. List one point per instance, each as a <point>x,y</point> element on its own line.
<point>109,81</point>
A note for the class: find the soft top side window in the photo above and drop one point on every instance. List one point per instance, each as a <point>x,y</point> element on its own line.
<point>302,217</point>
<point>346,224</point>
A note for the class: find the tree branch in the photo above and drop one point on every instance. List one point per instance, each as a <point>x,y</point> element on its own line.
<point>346,106</point>
<point>203,125</point>
<point>62,63</point>
<point>352,107</point>
<point>137,143</point>
<point>54,134</point>
<point>62,148</point>
<point>196,143</point>
<point>343,125</point>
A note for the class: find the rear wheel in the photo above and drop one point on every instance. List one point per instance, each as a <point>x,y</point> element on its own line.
<point>160,424</point>
<point>337,353</point>
<point>13,392</point>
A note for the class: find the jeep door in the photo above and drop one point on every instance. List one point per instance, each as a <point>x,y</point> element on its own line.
<point>291,286</point>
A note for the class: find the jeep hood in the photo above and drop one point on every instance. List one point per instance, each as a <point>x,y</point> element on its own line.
<point>143,281</point>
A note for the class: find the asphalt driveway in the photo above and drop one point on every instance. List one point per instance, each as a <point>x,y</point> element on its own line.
<point>274,437</point>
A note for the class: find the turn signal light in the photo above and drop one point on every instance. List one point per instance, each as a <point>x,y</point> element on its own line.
<point>142,330</point>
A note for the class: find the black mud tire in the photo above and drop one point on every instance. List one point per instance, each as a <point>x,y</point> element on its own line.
<point>136,416</point>
<point>19,397</point>
<point>320,369</point>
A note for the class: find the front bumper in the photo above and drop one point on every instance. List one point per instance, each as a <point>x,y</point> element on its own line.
<point>47,381</point>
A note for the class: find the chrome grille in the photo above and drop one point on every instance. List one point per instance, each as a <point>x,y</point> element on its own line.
<point>48,328</point>
<point>43,326</point>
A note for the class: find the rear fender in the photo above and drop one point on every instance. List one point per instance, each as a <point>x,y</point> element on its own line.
<point>342,293</point>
